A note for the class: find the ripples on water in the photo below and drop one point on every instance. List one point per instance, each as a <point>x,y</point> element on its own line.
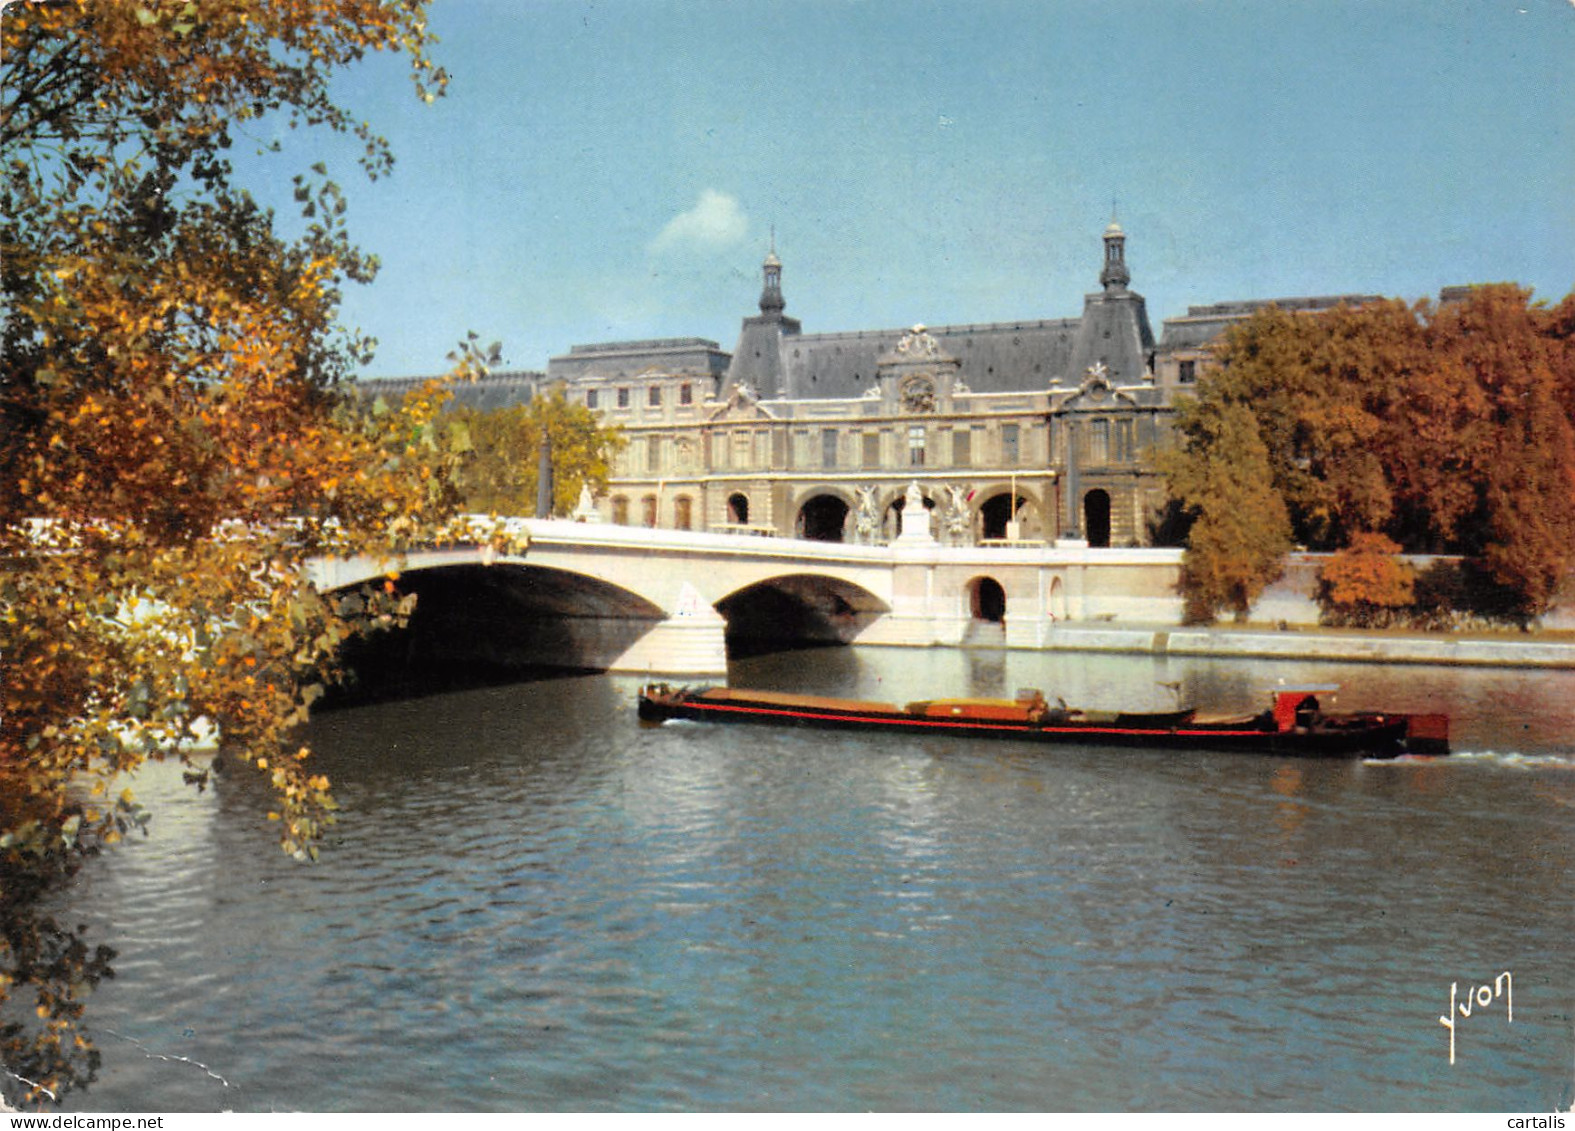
<point>531,902</point>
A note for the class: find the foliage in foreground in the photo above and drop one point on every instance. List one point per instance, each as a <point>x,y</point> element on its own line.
<point>1447,430</point>
<point>175,447</point>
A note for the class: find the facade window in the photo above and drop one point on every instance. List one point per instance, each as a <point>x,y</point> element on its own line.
<point>962,448</point>
<point>741,449</point>
<point>620,508</point>
<point>648,510</point>
<point>590,398</point>
<point>828,448</point>
<point>653,396</point>
<point>1189,372</point>
<point>683,512</point>
<point>1011,443</point>
<point>653,455</point>
<point>916,446</point>
<point>686,393</point>
<point>1099,442</point>
<point>623,398</point>
<point>1124,446</point>
<point>871,441</point>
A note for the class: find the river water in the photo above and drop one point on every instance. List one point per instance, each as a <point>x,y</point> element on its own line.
<point>533,902</point>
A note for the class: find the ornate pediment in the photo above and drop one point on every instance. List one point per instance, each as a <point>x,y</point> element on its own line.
<point>918,343</point>
<point>917,347</point>
<point>741,404</point>
<point>1096,379</point>
<point>1096,392</point>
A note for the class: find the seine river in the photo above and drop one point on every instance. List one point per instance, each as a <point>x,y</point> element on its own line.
<point>533,902</point>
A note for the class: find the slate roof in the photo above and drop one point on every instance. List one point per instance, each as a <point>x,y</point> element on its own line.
<point>996,357</point>
<point>1202,324</point>
<point>496,390</point>
<point>628,359</point>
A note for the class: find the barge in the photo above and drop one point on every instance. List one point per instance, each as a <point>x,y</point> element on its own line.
<point>1295,724</point>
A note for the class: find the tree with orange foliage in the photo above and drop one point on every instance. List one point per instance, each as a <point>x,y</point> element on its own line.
<point>1449,429</point>
<point>1367,584</point>
<point>175,446</point>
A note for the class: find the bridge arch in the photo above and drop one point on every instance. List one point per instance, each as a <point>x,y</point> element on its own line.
<point>486,620</point>
<point>796,610</point>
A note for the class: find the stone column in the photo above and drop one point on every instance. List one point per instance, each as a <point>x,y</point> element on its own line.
<point>1071,536</point>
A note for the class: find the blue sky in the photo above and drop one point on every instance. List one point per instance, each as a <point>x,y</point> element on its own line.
<point>612,169</point>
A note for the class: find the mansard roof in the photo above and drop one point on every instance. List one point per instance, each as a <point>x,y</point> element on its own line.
<point>496,390</point>
<point>995,357</point>
<point>1202,324</point>
<point>628,359</point>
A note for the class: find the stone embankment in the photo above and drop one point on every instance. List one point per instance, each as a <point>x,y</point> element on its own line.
<point>1345,647</point>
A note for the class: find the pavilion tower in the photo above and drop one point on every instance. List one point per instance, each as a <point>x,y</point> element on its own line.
<point>757,361</point>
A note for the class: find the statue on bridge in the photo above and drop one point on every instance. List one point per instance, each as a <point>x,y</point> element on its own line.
<point>585,509</point>
<point>959,522</point>
<point>866,521</point>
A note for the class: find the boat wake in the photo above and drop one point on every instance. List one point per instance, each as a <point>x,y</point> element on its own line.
<point>1510,758</point>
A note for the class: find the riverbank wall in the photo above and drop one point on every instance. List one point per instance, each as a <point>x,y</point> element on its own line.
<point>1345,647</point>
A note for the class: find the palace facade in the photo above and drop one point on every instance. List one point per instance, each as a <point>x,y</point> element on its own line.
<point>1014,432</point>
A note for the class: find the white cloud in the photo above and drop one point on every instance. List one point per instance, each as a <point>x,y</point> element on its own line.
<point>716,221</point>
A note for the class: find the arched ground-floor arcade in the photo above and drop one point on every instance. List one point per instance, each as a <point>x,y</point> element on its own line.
<point>1111,509</point>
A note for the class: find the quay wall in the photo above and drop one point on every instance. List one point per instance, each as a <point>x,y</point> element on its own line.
<point>1345,647</point>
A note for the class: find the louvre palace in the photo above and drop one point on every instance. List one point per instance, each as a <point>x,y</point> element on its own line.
<point>1037,431</point>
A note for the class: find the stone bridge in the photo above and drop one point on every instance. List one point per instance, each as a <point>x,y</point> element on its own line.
<point>637,599</point>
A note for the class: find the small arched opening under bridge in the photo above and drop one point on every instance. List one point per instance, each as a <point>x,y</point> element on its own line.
<point>987,600</point>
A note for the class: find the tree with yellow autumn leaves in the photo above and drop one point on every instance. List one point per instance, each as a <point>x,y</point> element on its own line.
<point>500,473</point>
<point>175,443</point>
